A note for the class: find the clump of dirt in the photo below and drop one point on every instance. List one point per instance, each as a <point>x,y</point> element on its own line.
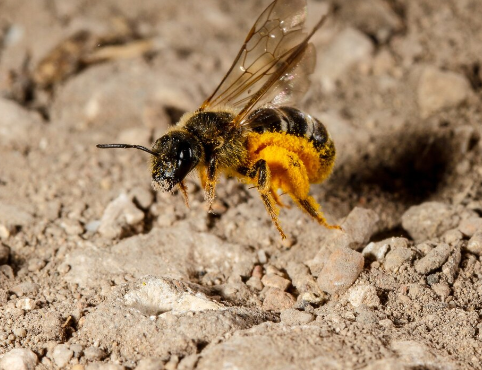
<point>98,271</point>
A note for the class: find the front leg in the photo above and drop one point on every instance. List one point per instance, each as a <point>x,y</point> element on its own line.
<point>209,181</point>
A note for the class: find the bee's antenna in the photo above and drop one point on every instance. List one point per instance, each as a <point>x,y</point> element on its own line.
<point>125,146</point>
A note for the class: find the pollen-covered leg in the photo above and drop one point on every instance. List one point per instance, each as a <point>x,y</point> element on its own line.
<point>289,173</point>
<point>261,172</point>
<point>208,181</point>
<point>183,189</point>
<point>310,206</point>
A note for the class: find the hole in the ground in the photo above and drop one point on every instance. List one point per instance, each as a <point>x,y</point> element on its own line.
<point>408,169</point>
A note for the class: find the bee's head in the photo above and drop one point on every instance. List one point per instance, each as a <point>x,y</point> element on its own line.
<point>178,152</point>
<point>174,155</point>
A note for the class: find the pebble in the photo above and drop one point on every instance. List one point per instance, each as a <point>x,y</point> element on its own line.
<point>439,89</point>
<point>433,260</point>
<point>71,227</point>
<point>452,236</point>
<point>397,257</point>
<point>474,244</point>
<point>4,254</point>
<point>152,295</point>
<point>470,226</point>
<point>25,289</point>
<point>20,332</point>
<point>62,355</point>
<point>36,264</point>
<point>255,283</point>
<point>277,300</point>
<point>451,267</point>
<point>257,271</point>
<point>340,271</point>
<point>386,323</point>
<point>429,220</point>
<point>376,251</point>
<point>442,290</point>
<point>348,48</point>
<point>19,359</point>
<point>119,214</point>
<point>358,227</point>
<point>26,304</point>
<point>295,317</point>
<point>94,354</point>
<point>275,281</point>
<point>77,349</point>
<point>303,281</point>
<point>262,257</point>
<point>150,364</point>
<point>363,294</point>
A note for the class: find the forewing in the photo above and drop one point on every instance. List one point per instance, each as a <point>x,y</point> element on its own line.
<point>278,30</point>
<point>288,89</point>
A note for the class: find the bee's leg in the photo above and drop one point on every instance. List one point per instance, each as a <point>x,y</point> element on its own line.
<point>183,189</point>
<point>261,171</point>
<point>210,181</point>
<point>309,205</point>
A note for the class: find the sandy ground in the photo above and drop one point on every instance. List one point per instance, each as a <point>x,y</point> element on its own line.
<point>97,271</point>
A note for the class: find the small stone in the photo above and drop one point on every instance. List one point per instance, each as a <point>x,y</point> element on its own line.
<point>386,323</point>
<point>150,364</point>
<point>102,366</point>
<point>153,296</point>
<point>302,280</point>
<point>475,244</point>
<point>452,236</point>
<point>257,271</point>
<point>62,355</point>
<point>275,281</point>
<point>72,227</point>
<point>19,359</point>
<point>36,264</point>
<point>341,270</point>
<point>397,257</point>
<point>363,295</point>
<point>433,260</point>
<point>311,299</point>
<point>25,289</point>
<point>118,215</point>
<point>438,90</point>
<point>358,227</point>
<point>277,300</point>
<point>451,267</point>
<point>376,251</point>
<point>6,231</point>
<point>20,332</point>
<point>470,226</point>
<point>442,290</point>
<point>77,349</point>
<point>295,317</point>
<point>255,283</point>
<point>429,220</point>
<point>262,257</point>
<point>63,268</point>
<point>26,304</point>
<point>94,354</point>
<point>366,316</point>
<point>4,254</point>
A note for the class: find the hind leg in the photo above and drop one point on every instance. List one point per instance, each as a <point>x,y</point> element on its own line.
<point>289,173</point>
<point>261,173</point>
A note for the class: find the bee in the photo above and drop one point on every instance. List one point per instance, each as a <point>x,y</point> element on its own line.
<point>246,128</point>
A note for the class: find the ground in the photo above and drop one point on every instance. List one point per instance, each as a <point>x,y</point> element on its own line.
<point>98,271</point>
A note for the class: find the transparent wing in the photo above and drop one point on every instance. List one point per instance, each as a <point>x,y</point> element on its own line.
<point>275,35</point>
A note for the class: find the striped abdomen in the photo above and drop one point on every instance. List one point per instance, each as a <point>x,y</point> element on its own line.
<point>293,122</point>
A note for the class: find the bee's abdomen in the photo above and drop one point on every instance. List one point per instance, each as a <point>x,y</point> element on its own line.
<point>293,122</point>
